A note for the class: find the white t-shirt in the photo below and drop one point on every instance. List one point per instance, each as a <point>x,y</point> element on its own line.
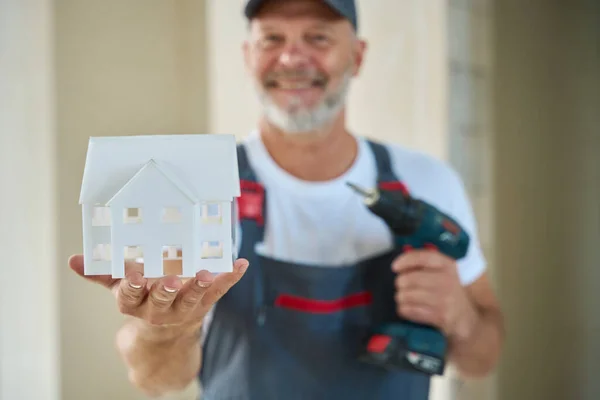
<point>327,224</point>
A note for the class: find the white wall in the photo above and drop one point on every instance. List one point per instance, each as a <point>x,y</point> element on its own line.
<point>28,298</point>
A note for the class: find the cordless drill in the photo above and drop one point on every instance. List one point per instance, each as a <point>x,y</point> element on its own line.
<point>399,343</point>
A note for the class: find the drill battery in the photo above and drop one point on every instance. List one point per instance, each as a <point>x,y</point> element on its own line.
<point>407,345</point>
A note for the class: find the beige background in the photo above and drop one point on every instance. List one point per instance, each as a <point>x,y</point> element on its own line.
<point>71,69</point>
<point>547,146</point>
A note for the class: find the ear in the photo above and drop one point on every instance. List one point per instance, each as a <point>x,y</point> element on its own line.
<point>360,48</point>
<point>246,53</point>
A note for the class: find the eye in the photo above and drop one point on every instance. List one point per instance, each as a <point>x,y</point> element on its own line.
<point>319,39</point>
<point>271,39</point>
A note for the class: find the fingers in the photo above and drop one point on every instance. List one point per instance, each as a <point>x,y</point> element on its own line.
<point>129,298</point>
<point>167,300</point>
<point>223,282</point>
<point>128,290</point>
<point>193,291</point>
<point>422,258</point>
<point>418,314</point>
<point>131,291</point>
<point>416,294</point>
<point>418,279</point>
<point>417,297</point>
<point>160,299</point>
<point>76,263</point>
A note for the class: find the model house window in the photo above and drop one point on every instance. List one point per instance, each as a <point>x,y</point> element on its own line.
<point>211,213</point>
<point>172,252</point>
<point>212,249</point>
<point>132,215</point>
<point>171,215</point>
<point>101,252</point>
<point>100,216</point>
<point>172,260</point>
<point>133,253</point>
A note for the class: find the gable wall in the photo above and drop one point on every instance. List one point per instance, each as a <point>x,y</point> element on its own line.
<point>150,188</point>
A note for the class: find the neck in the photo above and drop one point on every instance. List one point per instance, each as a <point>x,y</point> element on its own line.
<point>312,156</point>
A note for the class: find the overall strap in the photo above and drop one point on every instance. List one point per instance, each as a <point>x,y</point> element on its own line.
<point>252,202</point>
<point>245,169</point>
<point>387,179</point>
<point>252,211</point>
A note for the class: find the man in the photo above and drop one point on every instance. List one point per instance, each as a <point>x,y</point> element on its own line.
<point>273,331</point>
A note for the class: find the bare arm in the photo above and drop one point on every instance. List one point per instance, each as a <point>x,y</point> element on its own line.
<point>476,352</point>
<point>160,343</point>
<point>159,360</point>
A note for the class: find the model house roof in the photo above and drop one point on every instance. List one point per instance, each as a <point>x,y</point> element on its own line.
<point>153,170</point>
<point>204,167</point>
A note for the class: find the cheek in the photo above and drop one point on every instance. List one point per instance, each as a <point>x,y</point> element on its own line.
<point>261,72</point>
<point>261,66</point>
<point>339,72</point>
<point>338,64</point>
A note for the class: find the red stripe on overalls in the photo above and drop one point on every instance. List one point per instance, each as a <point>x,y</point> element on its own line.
<point>323,306</point>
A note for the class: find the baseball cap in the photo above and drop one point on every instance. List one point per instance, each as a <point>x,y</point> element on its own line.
<point>346,9</point>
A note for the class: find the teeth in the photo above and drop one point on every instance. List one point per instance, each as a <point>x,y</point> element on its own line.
<point>295,86</point>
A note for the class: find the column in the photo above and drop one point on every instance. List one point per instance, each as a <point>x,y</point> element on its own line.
<point>29,367</point>
<point>470,132</point>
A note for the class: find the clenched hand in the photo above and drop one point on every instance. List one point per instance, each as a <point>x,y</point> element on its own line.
<point>429,291</point>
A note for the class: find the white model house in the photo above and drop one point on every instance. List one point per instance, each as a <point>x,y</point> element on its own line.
<point>156,199</point>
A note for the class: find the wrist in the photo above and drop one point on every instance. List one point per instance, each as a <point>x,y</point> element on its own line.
<point>166,333</point>
<point>467,326</point>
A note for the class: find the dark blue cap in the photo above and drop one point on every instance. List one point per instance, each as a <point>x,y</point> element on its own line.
<point>346,8</point>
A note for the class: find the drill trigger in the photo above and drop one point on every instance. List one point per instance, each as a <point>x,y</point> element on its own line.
<point>430,246</point>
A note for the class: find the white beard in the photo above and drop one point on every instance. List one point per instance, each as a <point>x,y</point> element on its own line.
<point>301,119</point>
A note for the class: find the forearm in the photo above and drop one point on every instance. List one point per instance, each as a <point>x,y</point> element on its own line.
<point>159,360</point>
<point>476,355</point>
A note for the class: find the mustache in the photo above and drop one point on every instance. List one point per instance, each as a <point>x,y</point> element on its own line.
<point>318,79</point>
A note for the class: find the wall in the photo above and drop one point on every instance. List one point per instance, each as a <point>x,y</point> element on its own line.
<point>547,96</point>
<point>123,67</point>
<point>471,132</point>
<point>28,304</point>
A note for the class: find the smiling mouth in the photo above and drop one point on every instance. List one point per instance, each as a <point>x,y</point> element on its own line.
<point>317,83</point>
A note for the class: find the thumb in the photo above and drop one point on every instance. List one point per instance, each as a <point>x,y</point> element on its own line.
<point>77,265</point>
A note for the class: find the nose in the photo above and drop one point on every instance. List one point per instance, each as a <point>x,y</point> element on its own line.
<point>293,56</point>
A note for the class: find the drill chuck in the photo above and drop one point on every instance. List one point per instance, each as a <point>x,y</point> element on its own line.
<point>370,196</point>
<point>401,213</point>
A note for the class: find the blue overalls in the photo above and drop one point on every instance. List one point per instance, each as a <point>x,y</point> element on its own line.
<point>290,331</point>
